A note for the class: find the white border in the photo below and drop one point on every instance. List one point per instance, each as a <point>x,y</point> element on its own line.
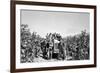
<point>52,64</point>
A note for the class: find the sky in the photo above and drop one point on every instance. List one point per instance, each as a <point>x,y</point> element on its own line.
<point>65,23</point>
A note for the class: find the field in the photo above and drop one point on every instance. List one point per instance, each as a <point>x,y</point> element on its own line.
<point>53,47</point>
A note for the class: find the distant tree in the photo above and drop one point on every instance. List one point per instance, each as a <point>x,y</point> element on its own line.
<point>36,44</point>
<point>26,47</point>
<point>84,45</point>
<point>77,46</point>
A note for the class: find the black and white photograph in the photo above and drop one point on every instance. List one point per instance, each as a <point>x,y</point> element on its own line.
<point>54,36</point>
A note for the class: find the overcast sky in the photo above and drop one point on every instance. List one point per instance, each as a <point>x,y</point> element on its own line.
<point>65,23</point>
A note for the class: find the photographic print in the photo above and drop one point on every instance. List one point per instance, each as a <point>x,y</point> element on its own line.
<point>52,36</point>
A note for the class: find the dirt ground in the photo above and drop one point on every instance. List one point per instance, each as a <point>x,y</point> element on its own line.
<point>40,59</point>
